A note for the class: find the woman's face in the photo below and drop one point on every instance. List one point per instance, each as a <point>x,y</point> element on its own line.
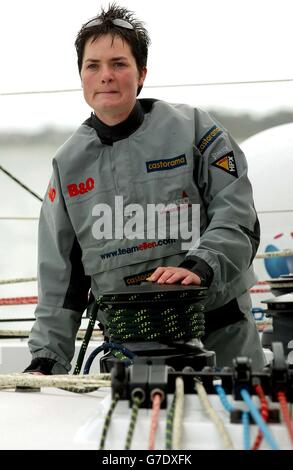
<point>110,78</point>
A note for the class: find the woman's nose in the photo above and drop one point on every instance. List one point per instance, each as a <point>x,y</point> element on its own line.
<point>106,75</point>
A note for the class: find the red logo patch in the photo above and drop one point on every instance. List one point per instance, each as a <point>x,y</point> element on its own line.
<point>52,193</point>
<point>81,188</point>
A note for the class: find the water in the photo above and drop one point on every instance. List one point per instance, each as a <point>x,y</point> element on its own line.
<point>18,238</point>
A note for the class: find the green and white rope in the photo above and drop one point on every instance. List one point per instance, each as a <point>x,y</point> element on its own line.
<point>169,424</point>
<point>136,402</point>
<point>108,421</point>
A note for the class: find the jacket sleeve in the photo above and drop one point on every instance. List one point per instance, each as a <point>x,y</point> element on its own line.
<point>62,284</point>
<point>229,242</point>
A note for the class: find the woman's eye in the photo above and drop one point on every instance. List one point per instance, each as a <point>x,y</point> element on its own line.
<point>119,64</point>
<point>92,66</point>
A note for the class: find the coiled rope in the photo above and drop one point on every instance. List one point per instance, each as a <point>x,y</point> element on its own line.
<point>155,323</point>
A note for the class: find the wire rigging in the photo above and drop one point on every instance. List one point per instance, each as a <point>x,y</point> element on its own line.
<point>20,183</point>
<point>168,85</point>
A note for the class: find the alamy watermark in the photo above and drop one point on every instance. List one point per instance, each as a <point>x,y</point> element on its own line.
<point>152,222</point>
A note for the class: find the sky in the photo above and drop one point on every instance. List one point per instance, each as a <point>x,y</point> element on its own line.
<point>193,41</point>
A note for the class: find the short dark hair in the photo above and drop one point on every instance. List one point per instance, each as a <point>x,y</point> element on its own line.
<point>137,38</point>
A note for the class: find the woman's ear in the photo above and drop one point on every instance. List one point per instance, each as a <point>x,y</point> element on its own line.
<point>142,76</point>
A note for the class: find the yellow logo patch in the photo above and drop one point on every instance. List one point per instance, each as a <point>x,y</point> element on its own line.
<point>227,163</point>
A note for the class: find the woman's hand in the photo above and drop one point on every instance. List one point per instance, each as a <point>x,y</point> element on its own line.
<point>174,275</point>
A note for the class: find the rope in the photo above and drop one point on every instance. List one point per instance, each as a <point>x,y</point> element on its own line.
<point>169,424</point>
<point>258,419</point>
<point>87,337</point>
<point>18,279</point>
<point>230,407</point>
<point>57,381</point>
<point>8,320</point>
<point>135,407</point>
<point>14,334</point>
<point>178,414</point>
<point>18,300</point>
<point>215,418</point>
<point>285,413</point>
<point>21,184</point>
<point>106,346</point>
<point>259,256</point>
<point>246,430</point>
<point>274,254</point>
<point>18,218</point>
<point>223,397</point>
<point>155,323</point>
<point>108,421</point>
<point>264,411</point>
<point>283,284</point>
<point>276,211</point>
<point>259,291</point>
<point>156,406</point>
<point>97,335</point>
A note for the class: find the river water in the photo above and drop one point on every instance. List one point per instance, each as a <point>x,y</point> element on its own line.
<point>18,238</point>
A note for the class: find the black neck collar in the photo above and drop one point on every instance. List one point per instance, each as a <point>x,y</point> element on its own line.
<point>110,134</point>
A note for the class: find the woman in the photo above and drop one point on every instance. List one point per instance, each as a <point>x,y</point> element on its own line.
<point>134,152</point>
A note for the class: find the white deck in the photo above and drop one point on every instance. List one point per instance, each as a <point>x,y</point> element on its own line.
<point>56,419</point>
<point>48,419</point>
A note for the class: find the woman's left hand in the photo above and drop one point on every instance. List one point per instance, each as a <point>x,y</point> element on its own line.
<point>174,275</point>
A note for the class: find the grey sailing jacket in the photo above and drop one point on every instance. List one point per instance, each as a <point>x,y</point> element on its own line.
<point>178,155</point>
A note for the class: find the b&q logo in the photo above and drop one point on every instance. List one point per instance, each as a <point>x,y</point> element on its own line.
<point>81,188</point>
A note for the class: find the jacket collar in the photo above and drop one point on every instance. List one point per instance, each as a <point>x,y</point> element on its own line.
<point>111,134</point>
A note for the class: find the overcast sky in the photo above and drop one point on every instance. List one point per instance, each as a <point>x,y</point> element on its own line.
<point>193,41</point>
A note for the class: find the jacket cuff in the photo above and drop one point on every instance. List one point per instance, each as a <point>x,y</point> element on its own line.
<point>200,267</point>
<point>41,364</point>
